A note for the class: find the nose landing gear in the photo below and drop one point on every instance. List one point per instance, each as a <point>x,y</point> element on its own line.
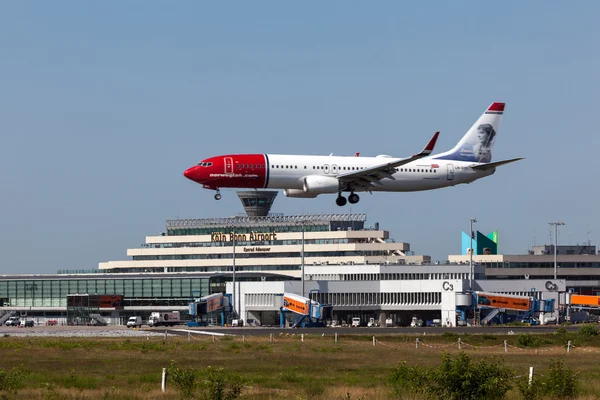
<point>218,195</point>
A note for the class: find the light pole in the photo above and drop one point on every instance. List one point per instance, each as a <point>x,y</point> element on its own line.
<point>233,297</point>
<point>302,268</point>
<point>472,220</point>
<point>556,224</point>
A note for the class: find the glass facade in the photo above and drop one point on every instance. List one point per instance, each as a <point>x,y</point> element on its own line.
<point>136,291</point>
<point>533,264</point>
<point>241,230</point>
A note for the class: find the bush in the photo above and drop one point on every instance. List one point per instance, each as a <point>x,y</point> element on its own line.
<point>408,379</point>
<point>529,340</point>
<point>587,332</point>
<point>213,383</point>
<point>562,331</point>
<point>455,379</point>
<point>218,385</point>
<point>559,382</point>
<point>184,380</point>
<point>450,335</point>
<point>13,378</point>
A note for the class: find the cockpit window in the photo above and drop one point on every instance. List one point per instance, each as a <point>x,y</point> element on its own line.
<point>205,164</point>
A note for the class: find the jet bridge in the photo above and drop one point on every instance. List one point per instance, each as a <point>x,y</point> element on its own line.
<point>499,304</point>
<point>309,312</point>
<point>210,310</point>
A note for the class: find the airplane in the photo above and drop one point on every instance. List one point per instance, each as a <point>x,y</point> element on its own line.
<point>307,176</point>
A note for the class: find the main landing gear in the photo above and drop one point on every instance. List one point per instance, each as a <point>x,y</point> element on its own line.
<point>341,200</point>
<point>218,195</point>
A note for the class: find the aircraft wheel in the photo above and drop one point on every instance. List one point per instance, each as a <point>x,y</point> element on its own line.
<point>340,201</point>
<point>218,196</point>
<point>353,198</point>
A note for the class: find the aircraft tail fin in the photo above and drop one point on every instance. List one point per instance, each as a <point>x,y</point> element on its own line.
<point>478,142</point>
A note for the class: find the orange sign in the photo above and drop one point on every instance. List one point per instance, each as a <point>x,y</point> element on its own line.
<point>582,300</point>
<point>499,301</point>
<point>295,305</point>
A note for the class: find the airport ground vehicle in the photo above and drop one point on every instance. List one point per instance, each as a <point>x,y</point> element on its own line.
<point>134,322</point>
<point>164,318</point>
<point>355,321</point>
<point>13,321</point>
<point>26,323</point>
<point>416,322</point>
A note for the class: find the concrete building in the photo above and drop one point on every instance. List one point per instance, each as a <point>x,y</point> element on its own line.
<point>356,267</point>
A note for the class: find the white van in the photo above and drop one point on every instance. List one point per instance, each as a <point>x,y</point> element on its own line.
<point>355,322</point>
<point>134,322</point>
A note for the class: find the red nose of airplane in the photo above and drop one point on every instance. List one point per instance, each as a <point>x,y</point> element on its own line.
<point>194,173</point>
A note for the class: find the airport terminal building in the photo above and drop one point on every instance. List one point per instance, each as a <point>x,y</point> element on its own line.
<point>354,266</point>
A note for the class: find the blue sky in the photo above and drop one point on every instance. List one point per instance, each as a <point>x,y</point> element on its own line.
<point>105,104</point>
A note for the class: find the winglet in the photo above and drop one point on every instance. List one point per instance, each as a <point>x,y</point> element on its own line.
<point>429,148</point>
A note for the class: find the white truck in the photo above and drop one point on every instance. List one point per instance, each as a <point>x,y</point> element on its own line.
<point>164,318</point>
<point>134,322</point>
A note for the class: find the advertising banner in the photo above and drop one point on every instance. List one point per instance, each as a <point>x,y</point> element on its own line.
<point>583,300</point>
<point>499,301</point>
<point>295,305</point>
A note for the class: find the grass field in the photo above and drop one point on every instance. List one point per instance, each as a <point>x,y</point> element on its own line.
<point>287,368</point>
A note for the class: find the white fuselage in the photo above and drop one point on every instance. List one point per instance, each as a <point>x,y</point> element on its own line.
<point>288,171</point>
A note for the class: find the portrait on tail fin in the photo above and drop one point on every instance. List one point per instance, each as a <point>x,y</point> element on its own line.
<point>483,148</point>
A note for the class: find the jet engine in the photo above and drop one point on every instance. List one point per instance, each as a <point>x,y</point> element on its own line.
<point>299,193</point>
<point>321,184</point>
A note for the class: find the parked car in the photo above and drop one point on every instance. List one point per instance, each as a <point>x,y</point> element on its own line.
<point>27,323</point>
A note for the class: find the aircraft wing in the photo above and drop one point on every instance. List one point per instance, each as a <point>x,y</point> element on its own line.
<point>494,164</point>
<point>372,175</point>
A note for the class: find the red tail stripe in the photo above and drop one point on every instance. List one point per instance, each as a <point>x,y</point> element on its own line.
<point>496,107</point>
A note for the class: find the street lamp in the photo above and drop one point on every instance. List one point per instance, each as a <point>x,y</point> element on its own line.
<point>556,224</point>
<point>233,277</point>
<point>303,228</point>
<point>472,220</point>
